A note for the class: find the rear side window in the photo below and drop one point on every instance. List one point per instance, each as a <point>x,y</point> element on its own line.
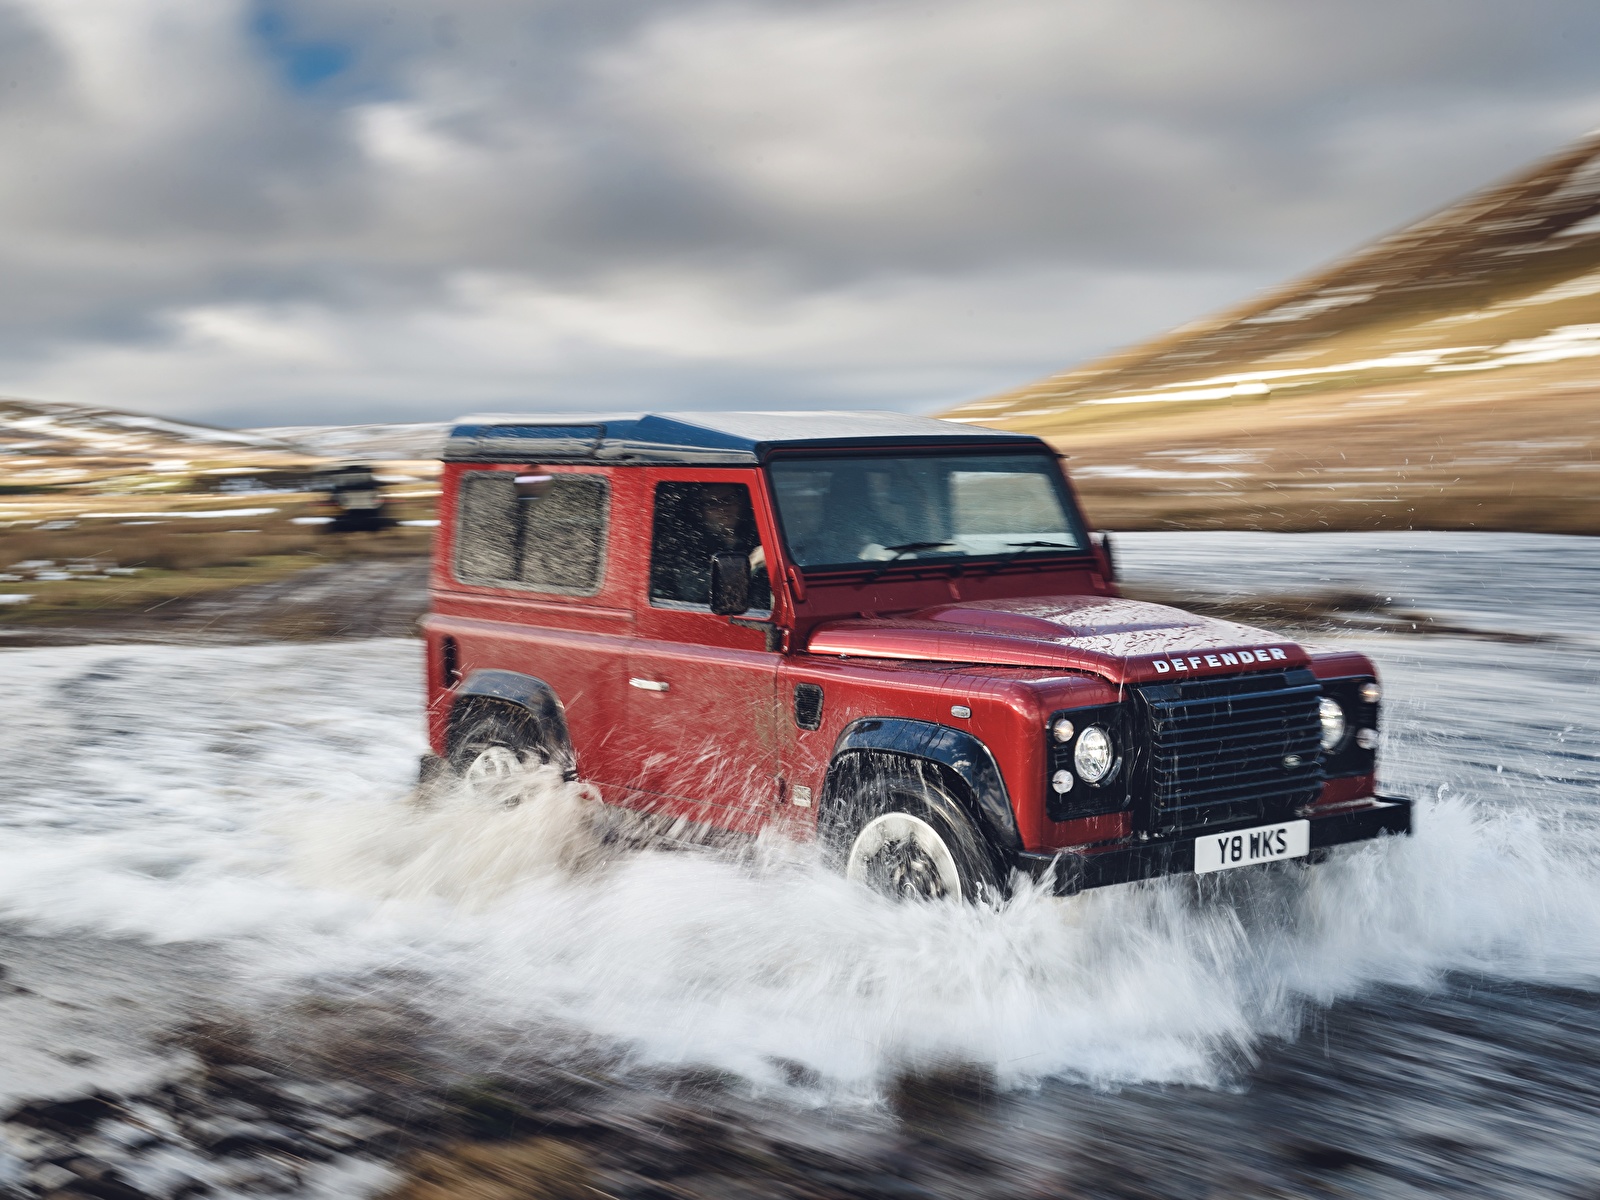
<point>552,542</point>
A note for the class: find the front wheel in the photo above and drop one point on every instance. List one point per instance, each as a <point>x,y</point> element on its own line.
<point>910,839</point>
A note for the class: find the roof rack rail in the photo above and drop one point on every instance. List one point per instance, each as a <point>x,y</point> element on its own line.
<point>701,438</point>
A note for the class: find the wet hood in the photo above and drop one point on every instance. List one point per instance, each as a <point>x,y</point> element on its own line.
<point>1124,641</point>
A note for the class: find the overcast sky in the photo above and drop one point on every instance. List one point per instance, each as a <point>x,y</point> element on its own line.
<point>291,211</point>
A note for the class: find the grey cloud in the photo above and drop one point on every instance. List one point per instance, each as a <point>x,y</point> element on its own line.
<point>703,199</point>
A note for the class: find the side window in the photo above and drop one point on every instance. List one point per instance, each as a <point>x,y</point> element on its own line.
<point>486,527</point>
<point>552,542</point>
<point>693,521</point>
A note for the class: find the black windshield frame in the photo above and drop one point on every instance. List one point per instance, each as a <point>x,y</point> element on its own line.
<point>1041,462</point>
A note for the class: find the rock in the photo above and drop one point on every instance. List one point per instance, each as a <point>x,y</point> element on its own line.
<point>68,1117</point>
<point>239,1110</point>
<point>228,1136</point>
<point>258,1175</point>
<point>124,1135</point>
<point>49,1177</point>
<point>101,1180</point>
<point>167,1174</point>
<point>148,1116</point>
<point>254,1074</point>
<point>342,1099</point>
<point>31,1144</point>
<point>348,1133</point>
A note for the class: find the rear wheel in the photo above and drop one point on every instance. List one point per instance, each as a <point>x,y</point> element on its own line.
<point>910,839</point>
<point>493,762</point>
<point>493,747</point>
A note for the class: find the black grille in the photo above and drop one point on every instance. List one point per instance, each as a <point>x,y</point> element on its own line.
<point>1231,749</point>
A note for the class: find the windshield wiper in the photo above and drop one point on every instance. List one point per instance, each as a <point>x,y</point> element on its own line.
<point>902,549</point>
<point>1021,548</point>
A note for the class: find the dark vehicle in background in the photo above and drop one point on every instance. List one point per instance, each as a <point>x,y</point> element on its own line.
<point>356,498</point>
<point>894,633</point>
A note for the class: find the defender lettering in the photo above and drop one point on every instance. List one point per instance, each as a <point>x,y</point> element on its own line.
<point>1223,658</point>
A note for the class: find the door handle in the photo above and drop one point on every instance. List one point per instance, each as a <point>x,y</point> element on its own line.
<point>649,685</point>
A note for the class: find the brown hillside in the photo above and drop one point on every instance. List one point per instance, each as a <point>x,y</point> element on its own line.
<point>50,447</point>
<point>1447,376</point>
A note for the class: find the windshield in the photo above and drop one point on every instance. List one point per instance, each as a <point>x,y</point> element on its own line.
<point>870,509</point>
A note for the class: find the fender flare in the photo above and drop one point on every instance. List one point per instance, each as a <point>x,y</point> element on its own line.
<point>536,698</point>
<point>954,752</point>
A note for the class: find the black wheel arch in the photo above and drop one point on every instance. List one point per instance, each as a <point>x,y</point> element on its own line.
<point>961,762</point>
<point>525,698</point>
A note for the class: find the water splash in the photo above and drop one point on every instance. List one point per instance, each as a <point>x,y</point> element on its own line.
<point>280,828</point>
<point>461,844</point>
<point>755,960</point>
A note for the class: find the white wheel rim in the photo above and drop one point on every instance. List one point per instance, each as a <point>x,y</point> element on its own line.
<point>494,762</point>
<point>891,829</point>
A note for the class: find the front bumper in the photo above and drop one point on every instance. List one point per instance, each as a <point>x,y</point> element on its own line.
<point>1069,871</point>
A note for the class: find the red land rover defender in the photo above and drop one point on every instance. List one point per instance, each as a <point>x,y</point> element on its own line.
<point>894,633</point>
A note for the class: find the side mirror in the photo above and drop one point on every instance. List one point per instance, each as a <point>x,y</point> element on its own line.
<point>730,584</point>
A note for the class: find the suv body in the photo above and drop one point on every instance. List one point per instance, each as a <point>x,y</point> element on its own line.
<point>928,616</point>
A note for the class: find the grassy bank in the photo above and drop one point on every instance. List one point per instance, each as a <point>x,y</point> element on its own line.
<point>98,566</point>
<point>1512,455</point>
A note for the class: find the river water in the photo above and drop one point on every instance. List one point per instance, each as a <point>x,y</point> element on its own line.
<point>1413,1017</point>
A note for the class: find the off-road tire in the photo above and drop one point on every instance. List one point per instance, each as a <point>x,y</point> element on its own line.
<point>906,836</point>
<point>494,742</point>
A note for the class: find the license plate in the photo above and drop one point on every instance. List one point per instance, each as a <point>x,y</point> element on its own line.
<point>1243,847</point>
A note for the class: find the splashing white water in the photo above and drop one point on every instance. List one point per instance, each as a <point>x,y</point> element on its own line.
<point>463,845</point>
<point>748,963</point>
<point>257,798</point>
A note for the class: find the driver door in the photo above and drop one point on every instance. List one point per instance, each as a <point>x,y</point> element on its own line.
<point>702,688</point>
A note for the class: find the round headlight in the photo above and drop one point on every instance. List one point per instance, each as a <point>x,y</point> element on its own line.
<point>1092,756</point>
<point>1332,722</point>
<point>1062,730</point>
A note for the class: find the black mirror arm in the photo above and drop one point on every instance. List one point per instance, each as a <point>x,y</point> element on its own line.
<point>767,627</point>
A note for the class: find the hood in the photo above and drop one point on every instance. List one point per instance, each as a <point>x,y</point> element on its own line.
<point>1124,641</point>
